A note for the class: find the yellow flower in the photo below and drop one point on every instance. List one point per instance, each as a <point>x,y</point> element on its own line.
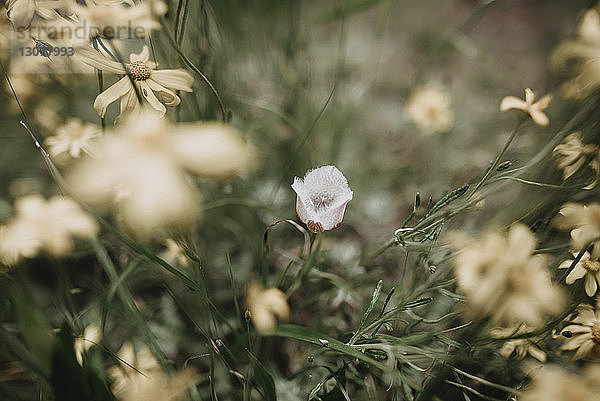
<point>139,377</point>
<point>584,223</point>
<point>40,224</point>
<point>504,282</point>
<point>266,306</point>
<point>140,170</point>
<point>429,108</point>
<point>573,154</point>
<point>73,138</point>
<point>583,334</point>
<point>147,80</point>
<point>529,106</point>
<point>586,267</point>
<point>91,336</point>
<point>554,383</point>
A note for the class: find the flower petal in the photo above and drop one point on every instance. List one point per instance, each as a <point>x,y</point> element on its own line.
<point>166,93</point>
<point>512,102</point>
<point>118,89</point>
<point>174,79</point>
<point>151,97</point>
<point>591,286</point>
<point>97,60</point>
<point>539,117</point>
<point>575,274</point>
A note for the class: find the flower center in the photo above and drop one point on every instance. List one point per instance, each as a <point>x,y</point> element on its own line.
<point>591,265</point>
<point>139,71</point>
<point>321,201</point>
<point>596,332</point>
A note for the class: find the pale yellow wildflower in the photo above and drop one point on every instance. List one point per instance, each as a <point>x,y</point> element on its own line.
<point>429,108</point>
<point>586,267</point>
<point>504,282</point>
<point>145,76</point>
<point>90,337</point>
<point>72,139</point>
<point>139,377</point>
<point>40,224</point>
<point>555,383</point>
<point>584,223</point>
<point>529,106</point>
<point>140,170</point>
<point>572,155</point>
<point>583,333</point>
<point>267,307</point>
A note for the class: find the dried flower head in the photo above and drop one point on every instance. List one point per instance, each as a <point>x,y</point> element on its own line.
<point>91,336</point>
<point>146,78</point>
<point>518,348</point>
<point>321,198</point>
<point>430,109</point>
<point>586,267</point>
<point>72,139</point>
<point>554,383</point>
<point>529,106</point>
<point>572,155</point>
<point>584,223</point>
<point>40,224</point>
<point>266,306</point>
<point>504,282</point>
<point>139,377</point>
<point>140,170</point>
<point>583,333</point>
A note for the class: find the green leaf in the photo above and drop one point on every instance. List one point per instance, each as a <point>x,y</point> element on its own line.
<point>263,379</point>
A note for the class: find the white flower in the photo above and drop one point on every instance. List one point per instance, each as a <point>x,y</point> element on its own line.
<point>139,377</point>
<point>572,155</point>
<point>321,198</point>
<point>40,224</point>
<point>73,138</point>
<point>518,347</point>
<point>583,334</point>
<point>91,336</point>
<point>266,306</point>
<point>147,80</point>
<point>586,267</point>
<point>529,106</point>
<point>139,170</point>
<point>429,108</point>
<point>584,223</point>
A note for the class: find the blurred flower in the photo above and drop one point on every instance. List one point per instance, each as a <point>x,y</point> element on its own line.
<point>504,282</point>
<point>91,336</point>
<point>585,49</point>
<point>554,383</point>
<point>519,347</point>
<point>586,267</point>
<point>584,223</point>
<point>40,224</point>
<point>573,154</point>
<point>140,170</point>
<point>174,254</point>
<point>529,106</point>
<point>139,377</point>
<point>266,306</point>
<point>72,138</point>
<point>583,334</point>
<point>146,77</point>
<point>429,108</point>
<point>21,12</point>
<point>321,198</point>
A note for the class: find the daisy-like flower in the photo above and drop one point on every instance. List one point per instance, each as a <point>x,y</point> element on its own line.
<point>139,377</point>
<point>90,337</point>
<point>572,155</point>
<point>40,224</point>
<point>586,267</point>
<point>585,50</point>
<point>520,347</point>
<point>529,106</point>
<point>554,383</point>
<point>583,333</point>
<point>72,139</point>
<point>321,198</point>
<point>145,76</point>
<point>584,223</point>
<point>429,108</point>
<point>267,307</point>
<point>504,282</point>
<point>140,170</point>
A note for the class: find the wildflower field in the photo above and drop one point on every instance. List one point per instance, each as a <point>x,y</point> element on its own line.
<point>299,200</point>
